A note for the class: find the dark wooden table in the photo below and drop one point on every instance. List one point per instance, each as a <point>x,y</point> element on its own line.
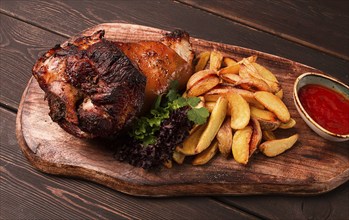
<point>315,33</point>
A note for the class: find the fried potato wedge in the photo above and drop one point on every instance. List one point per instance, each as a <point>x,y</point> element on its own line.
<point>191,142</point>
<point>224,89</point>
<point>212,97</point>
<point>250,59</point>
<point>264,72</point>
<point>263,114</point>
<point>240,147</point>
<point>253,84</point>
<point>216,59</point>
<point>231,78</point>
<point>178,157</point>
<point>227,61</point>
<point>203,58</point>
<point>232,69</point>
<point>268,76</point>
<point>203,86</point>
<point>210,106</point>
<point>206,155</point>
<point>225,138</point>
<point>198,76</point>
<point>239,111</point>
<point>268,120</point>
<point>214,123</point>
<point>275,147</point>
<point>256,135</point>
<point>273,104</point>
<point>250,70</point>
<point>268,135</point>
<point>290,124</point>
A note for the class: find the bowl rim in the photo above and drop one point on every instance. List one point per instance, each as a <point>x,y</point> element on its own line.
<point>305,113</point>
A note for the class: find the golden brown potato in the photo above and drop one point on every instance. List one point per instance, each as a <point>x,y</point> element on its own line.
<point>232,69</point>
<point>203,86</point>
<point>178,157</point>
<point>225,138</point>
<point>198,76</point>
<point>268,77</point>
<point>207,154</point>
<point>214,123</point>
<point>240,147</point>
<point>267,119</point>
<point>248,70</point>
<point>256,135</point>
<point>273,104</point>
<point>227,61</point>
<point>263,114</point>
<point>253,84</point>
<point>210,107</point>
<point>239,111</point>
<point>264,72</point>
<point>191,142</point>
<point>290,124</point>
<point>250,59</point>
<point>216,59</point>
<point>211,97</point>
<point>203,58</point>
<point>268,135</point>
<point>275,147</point>
<point>231,78</point>
<point>224,89</point>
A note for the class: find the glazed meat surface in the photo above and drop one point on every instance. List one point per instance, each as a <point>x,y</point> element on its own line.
<point>92,88</point>
<point>161,62</point>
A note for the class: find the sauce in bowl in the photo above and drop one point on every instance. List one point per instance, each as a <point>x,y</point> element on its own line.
<point>327,107</point>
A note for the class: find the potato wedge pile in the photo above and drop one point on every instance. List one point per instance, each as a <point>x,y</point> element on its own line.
<point>245,103</point>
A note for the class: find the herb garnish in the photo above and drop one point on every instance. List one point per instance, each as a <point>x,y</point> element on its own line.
<point>145,128</point>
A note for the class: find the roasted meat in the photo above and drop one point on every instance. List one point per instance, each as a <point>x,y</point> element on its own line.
<point>95,87</point>
<point>161,62</point>
<point>92,88</point>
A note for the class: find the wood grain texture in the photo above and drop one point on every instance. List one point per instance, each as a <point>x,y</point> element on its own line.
<point>20,45</point>
<point>303,170</point>
<point>333,205</point>
<point>164,14</point>
<point>323,26</point>
<point>26,193</point>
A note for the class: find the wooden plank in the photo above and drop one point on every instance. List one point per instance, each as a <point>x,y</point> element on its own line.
<point>21,44</point>
<point>332,205</point>
<point>168,19</point>
<point>51,153</point>
<point>322,25</point>
<point>29,194</point>
<point>164,14</point>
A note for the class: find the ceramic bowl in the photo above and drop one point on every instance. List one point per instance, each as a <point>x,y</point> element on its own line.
<point>329,82</point>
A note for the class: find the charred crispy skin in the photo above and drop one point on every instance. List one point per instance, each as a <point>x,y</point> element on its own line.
<point>95,87</point>
<point>92,88</point>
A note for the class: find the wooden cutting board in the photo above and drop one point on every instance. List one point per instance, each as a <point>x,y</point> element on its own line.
<point>312,166</point>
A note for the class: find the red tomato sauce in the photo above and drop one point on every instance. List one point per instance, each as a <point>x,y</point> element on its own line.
<point>328,108</point>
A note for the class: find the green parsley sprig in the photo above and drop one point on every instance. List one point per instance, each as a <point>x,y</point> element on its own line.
<point>145,128</point>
